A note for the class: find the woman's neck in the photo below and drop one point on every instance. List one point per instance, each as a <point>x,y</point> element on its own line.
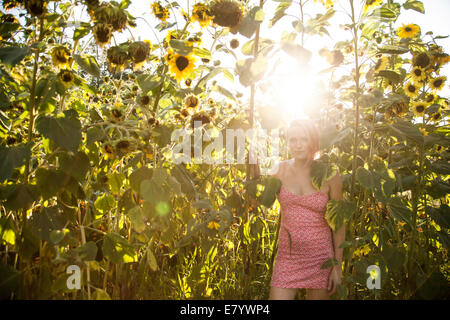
<point>298,164</point>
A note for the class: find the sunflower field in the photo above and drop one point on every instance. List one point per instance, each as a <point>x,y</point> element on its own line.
<point>91,92</point>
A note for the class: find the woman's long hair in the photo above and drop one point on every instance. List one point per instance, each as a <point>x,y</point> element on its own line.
<point>313,136</point>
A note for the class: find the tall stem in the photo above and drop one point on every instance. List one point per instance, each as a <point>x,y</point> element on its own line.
<point>355,99</point>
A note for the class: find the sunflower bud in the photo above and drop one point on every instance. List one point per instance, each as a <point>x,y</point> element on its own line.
<point>117,58</point>
<point>139,52</point>
<point>227,13</point>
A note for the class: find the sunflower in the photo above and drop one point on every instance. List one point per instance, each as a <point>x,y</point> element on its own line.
<point>108,150</point>
<point>411,90</point>
<point>188,82</point>
<point>429,98</point>
<point>381,63</point>
<point>371,4</point>
<point>213,225</point>
<point>439,148</point>
<point>408,31</point>
<point>201,14</point>
<point>419,108</point>
<point>211,101</point>
<point>184,113</point>
<point>191,102</point>
<point>421,60</point>
<point>437,84</point>
<point>159,11</point>
<point>102,33</point>
<point>181,66</point>
<point>66,77</point>
<point>424,131</point>
<point>226,13</point>
<point>117,115</point>
<point>436,116</point>
<point>172,35</point>
<point>234,43</point>
<point>61,57</point>
<point>399,108</point>
<point>200,117</point>
<point>11,4</point>
<point>138,52</point>
<point>418,74</point>
<point>123,146</point>
<point>36,7</point>
<point>117,58</point>
<point>144,100</point>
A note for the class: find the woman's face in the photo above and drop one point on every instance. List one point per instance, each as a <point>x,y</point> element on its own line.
<point>298,143</point>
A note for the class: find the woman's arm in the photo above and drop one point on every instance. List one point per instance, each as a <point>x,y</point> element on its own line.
<point>338,235</point>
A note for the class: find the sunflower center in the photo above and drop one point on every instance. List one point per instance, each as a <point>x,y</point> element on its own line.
<point>67,77</point>
<point>182,63</point>
<point>437,83</point>
<point>411,88</point>
<point>408,29</point>
<point>417,72</point>
<point>420,108</point>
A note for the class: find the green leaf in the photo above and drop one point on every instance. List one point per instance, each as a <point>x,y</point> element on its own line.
<point>56,236</point>
<point>414,5</point>
<point>280,12</point>
<point>182,176</point>
<point>7,233</point>
<point>88,64</point>
<point>390,75</point>
<point>138,176</point>
<point>104,203</point>
<point>64,131</point>
<point>365,178</point>
<point>19,196</point>
<point>137,219</point>
<point>115,181</point>
<point>12,55</point>
<point>440,215</point>
<point>180,47</point>
<point>272,186</point>
<point>11,158</point>
<point>391,49</point>
<point>118,249</point>
<point>406,130</point>
<point>45,221</point>
<point>76,165</point>
<point>339,212</point>
<point>202,53</point>
<point>399,211</point>
<point>80,32</point>
<point>329,263</point>
<point>87,252</point>
<point>148,82</point>
<point>151,260</point>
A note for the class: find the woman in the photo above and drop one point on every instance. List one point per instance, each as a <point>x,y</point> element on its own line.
<point>305,240</point>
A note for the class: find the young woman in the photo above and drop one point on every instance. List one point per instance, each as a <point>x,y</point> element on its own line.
<point>305,240</point>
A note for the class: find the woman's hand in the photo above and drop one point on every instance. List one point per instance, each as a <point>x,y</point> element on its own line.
<point>334,280</point>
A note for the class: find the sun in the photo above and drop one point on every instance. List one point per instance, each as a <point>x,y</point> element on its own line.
<point>294,90</point>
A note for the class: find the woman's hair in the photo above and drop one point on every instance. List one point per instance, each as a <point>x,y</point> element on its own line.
<point>312,133</point>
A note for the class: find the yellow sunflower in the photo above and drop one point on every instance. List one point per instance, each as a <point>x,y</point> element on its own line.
<point>159,11</point>
<point>437,84</point>
<point>201,14</point>
<point>424,131</point>
<point>436,116</point>
<point>108,151</point>
<point>419,108</point>
<point>61,57</point>
<point>66,77</point>
<point>213,225</point>
<point>418,74</point>
<point>411,90</point>
<point>371,4</point>
<point>408,31</point>
<point>181,66</point>
<point>429,98</point>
